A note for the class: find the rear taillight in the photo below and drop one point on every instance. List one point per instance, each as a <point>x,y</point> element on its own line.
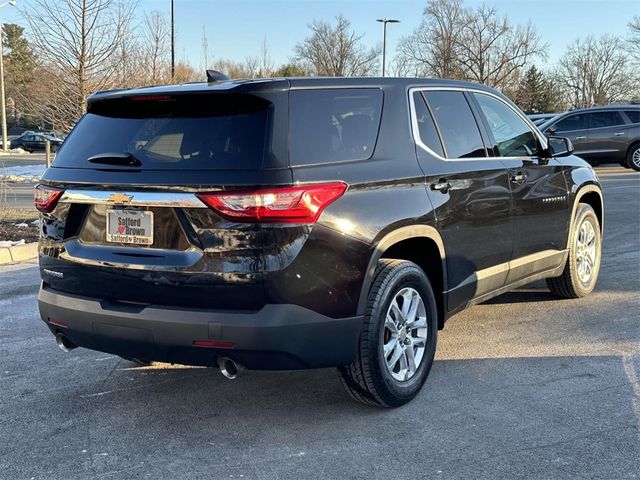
<point>301,204</point>
<point>46,198</point>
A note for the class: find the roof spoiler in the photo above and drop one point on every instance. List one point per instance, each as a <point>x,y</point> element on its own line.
<point>214,76</point>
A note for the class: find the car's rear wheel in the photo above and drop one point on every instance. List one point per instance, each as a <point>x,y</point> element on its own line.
<point>633,157</point>
<point>398,339</point>
<point>583,263</point>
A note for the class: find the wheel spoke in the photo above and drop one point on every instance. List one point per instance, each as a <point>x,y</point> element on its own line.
<point>407,296</point>
<point>398,316</point>
<point>397,353</point>
<point>420,322</point>
<point>389,346</point>
<point>413,309</point>
<point>411,360</point>
<point>418,341</point>
<point>404,367</point>
<point>390,325</point>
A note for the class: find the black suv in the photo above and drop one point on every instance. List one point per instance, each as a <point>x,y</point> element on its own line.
<point>304,223</point>
<point>601,134</point>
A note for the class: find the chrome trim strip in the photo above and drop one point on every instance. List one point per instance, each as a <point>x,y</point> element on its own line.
<point>139,199</point>
<point>416,131</point>
<point>132,258</point>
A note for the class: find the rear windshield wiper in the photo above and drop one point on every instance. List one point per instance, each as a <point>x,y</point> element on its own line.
<point>121,159</point>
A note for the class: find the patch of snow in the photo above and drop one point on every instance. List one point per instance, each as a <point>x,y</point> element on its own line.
<point>22,173</point>
<point>21,225</point>
<point>9,243</point>
<point>36,222</point>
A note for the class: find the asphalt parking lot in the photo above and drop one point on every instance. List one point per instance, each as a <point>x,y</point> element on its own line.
<point>524,386</point>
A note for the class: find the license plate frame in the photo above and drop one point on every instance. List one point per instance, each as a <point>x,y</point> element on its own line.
<point>126,220</point>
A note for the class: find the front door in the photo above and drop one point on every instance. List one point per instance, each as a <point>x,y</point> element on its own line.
<point>575,127</point>
<point>538,188</point>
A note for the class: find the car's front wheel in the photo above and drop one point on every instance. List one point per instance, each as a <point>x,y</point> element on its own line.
<point>398,339</point>
<point>633,157</point>
<point>583,263</point>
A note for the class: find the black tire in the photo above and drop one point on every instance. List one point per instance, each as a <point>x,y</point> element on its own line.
<point>634,150</point>
<point>368,379</point>
<point>569,284</point>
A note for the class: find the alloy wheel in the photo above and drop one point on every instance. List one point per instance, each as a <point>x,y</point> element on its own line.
<point>405,334</point>
<point>586,254</point>
<point>635,158</point>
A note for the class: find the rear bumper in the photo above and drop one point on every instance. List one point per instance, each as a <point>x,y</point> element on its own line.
<point>277,337</point>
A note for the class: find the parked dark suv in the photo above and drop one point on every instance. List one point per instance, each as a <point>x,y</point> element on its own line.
<point>303,223</point>
<point>601,134</point>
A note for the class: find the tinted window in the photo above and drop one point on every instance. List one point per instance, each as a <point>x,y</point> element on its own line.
<point>203,132</point>
<point>426,127</point>
<point>605,119</point>
<point>572,122</point>
<point>334,125</point>
<point>512,134</point>
<point>634,115</point>
<point>457,124</point>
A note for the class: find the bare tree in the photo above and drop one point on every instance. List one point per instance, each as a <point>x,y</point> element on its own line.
<point>596,71</point>
<point>465,43</point>
<point>128,57</point>
<point>204,43</point>
<point>266,64</point>
<point>78,39</point>
<point>634,37</point>
<point>490,50</point>
<point>431,49</point>
<point>156,33</point>
<point>336,50</point>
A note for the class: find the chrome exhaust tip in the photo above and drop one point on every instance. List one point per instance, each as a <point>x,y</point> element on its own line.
<point>64,343</point>
<point>229,368</point>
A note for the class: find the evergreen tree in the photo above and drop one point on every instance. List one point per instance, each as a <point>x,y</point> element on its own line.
<point>20,65</point>
<point>536,93</point>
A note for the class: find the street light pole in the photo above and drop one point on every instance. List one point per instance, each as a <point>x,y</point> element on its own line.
<point>173,47</point>
<point>5,146</point>
<point>384,21</point>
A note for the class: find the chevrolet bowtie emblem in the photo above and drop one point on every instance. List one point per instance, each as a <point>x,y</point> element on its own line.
<point>119,198</point>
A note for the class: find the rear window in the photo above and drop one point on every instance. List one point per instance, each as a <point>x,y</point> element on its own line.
<point>634,115</point>
<point>426,127</point>
<point>605,119</point>
<point>205,132</point>
<point>457,124</point>
<point>334,125</point>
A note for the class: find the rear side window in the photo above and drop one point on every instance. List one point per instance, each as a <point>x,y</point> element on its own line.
<point>189,132</point>
<point>334,125</point>
<point>456,123</point>
<point>605,119</point>
<point>572,122</point>
<point>513,136</point>
<point>634,115</point>
<point>426,126</point>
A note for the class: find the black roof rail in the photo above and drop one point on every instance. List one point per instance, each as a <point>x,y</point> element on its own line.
<point>216,76</point>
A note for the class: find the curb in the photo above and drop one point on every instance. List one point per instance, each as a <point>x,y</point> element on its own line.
<point>18,253</point>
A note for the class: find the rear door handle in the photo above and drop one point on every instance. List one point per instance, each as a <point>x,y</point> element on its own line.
<point>618,134</point>
<point>442,186</point>
<point>581,137</point>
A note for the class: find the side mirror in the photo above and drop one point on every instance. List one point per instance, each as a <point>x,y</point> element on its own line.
<point>560,147</point>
